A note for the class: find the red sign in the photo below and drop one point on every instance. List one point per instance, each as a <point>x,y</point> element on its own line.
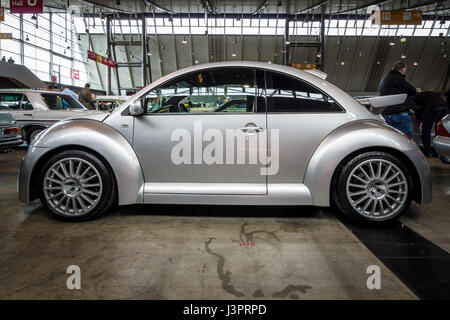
<point>26,6</point>
<point>101,59</point>
<point>75,74</point>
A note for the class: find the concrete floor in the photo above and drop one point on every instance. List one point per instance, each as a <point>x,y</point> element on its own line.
<point>173,252</point>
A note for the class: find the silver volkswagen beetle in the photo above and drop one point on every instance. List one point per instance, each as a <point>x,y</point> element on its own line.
<point>228,133</point>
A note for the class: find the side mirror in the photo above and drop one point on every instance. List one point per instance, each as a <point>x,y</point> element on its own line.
<point>136,108</point>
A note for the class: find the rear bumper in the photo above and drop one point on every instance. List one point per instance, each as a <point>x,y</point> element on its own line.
<point>442,146</point>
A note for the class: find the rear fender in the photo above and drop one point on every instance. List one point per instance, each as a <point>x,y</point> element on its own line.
<point>344,141</point>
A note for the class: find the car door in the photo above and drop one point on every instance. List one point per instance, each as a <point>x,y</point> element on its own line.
<point>19,105</point>
<point>194,150</point>
<point>304,116</point>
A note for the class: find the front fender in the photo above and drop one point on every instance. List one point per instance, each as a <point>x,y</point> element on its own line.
<point>94,135</point>
<point>350,138</point>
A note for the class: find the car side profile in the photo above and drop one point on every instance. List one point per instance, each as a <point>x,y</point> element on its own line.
<point>37,110</point>
<point>296,139</point>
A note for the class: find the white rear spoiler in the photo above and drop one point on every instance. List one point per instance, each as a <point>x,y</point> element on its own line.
<point>378,103</point>
<point>317,73</point>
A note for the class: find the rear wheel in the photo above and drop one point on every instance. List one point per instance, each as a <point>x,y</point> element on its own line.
<point>373,186</point>
<point>32,133</point>
<point>75,185</point>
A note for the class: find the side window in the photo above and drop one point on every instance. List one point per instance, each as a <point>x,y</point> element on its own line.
<point>286,94</point>
<point>214,90</point>
<point>26,104</point>
<point>10,101</point>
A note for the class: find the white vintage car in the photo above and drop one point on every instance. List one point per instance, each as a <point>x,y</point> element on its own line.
<point>36,110</point>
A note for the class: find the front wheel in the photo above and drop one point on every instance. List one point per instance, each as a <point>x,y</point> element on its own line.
<point>76,186</point>
<point>373,186</point>
<point>33,133</point>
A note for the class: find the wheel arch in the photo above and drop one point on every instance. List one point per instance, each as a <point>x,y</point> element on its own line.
<point>404,159</point>
<point>100,140</point>
<point>356,138</point>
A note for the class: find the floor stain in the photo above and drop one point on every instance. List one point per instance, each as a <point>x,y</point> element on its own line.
<point>288,291</point>
<point>251,236</point>
<point>258,293</point>
<point>224,276</point>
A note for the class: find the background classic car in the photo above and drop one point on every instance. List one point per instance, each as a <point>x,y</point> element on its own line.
<point>36,110</point>
<point>9,133</point>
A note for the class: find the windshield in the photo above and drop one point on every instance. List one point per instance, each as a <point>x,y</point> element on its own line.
<point>61,101</point>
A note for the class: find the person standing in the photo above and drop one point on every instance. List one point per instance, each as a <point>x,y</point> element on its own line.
<point>66,90</point>
<point>86,97</point>
<point>395,83</point>
<point>432,109</point>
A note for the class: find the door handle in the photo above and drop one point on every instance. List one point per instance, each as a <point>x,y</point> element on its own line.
<point>257,129</point>
<point>28,114</point>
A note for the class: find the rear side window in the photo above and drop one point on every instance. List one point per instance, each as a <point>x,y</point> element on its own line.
<point>14,101</point>
<point>289,95</point>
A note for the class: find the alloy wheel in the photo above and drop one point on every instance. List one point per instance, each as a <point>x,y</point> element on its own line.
<point>377,189</point>
<point>72,187</point>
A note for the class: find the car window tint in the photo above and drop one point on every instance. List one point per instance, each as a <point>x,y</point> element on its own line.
<point>216,90</point>
<point>286,94</point>
<point>10,101</point>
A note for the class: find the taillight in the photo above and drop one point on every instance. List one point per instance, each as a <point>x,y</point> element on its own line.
<point>10,131</point>
<point>441,131</point>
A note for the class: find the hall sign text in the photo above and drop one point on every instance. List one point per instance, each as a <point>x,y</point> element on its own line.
<point>26,6</point>
<point>394,17</point>
<point>101,59</point>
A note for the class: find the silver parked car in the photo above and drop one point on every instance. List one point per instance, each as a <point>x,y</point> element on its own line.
<point>36,110</point>
<point>442,141</point>
<point>296,139</point>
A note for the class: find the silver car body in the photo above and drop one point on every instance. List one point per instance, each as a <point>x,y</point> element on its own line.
<point>442,144</point>
<point>41,115</point>
<point>311,147</point>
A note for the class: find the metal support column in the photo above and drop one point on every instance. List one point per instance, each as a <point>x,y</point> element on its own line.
<point>144,51</point>
<point>322,42</point>
<point>286,46</point>
<point>108,55</point>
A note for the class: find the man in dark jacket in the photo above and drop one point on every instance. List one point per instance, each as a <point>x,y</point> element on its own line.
<point>86,97</point>
<point>394,83</point>
<point>432,109</point>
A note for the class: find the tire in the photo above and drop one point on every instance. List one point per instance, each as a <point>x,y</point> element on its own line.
<point>32,133</point>
<point>376,196</point>
<point>86,188</point>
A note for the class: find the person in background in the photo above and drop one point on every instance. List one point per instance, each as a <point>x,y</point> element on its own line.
<point>447,97</point>
<point>86,97</point>
<point>11,60</point>
<point>65,89</point>
<point>432,109</point>
<point>394,83</point>
<point>4,59</point>
<point>218,102</point>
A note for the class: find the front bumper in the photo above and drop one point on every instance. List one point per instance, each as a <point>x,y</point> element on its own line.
<point>26,169</point>
<point>424,172</point>
<point>442,146</point>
